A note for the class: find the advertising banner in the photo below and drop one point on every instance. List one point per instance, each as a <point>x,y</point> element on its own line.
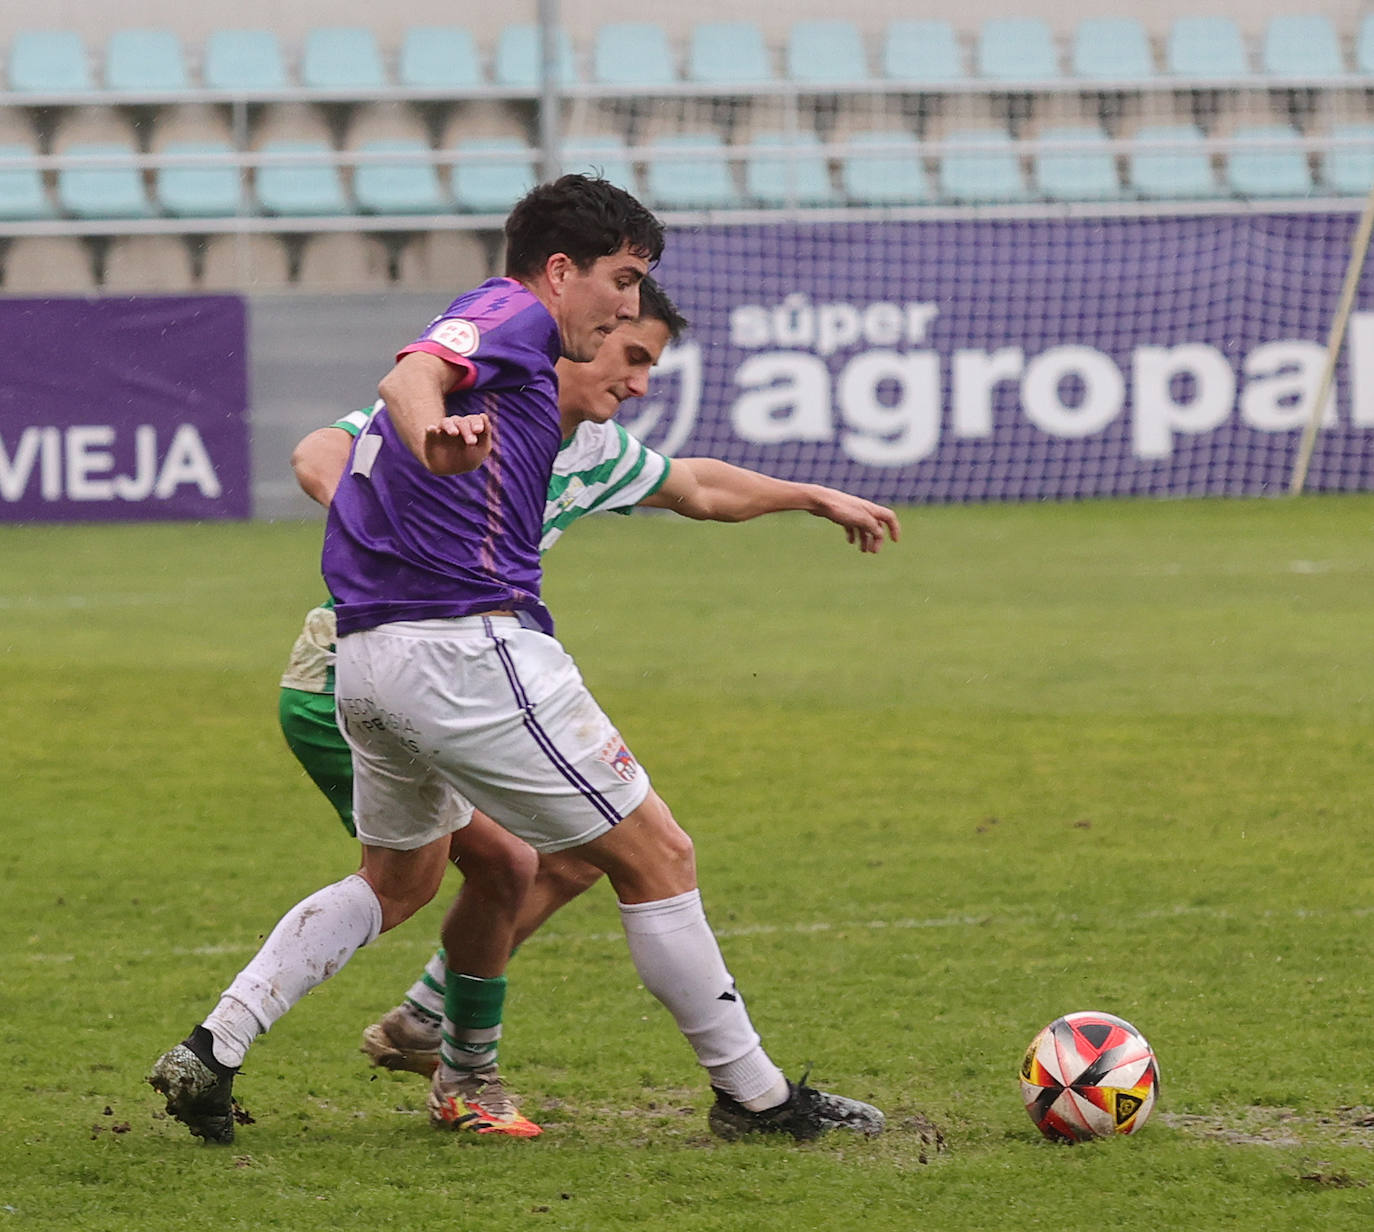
<point>1017,359</point>
<point>123,409</point>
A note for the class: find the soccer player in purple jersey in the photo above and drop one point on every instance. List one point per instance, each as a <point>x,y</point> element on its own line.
<point>451,688</point>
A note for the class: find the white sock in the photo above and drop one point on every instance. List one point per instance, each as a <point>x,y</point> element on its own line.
<point>678,960</point>
<point>309,944</point>
<point>426,995</point>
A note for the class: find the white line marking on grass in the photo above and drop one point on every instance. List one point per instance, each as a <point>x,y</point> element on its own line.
<point>807,927</point>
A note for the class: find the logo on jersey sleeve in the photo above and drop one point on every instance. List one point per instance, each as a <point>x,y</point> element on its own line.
<point>457,335</point>
<point>619,758</point>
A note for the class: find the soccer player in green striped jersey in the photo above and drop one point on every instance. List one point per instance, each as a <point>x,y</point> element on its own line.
<point>508,890</point>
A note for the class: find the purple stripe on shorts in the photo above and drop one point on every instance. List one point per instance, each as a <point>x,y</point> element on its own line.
<point>544,740</point>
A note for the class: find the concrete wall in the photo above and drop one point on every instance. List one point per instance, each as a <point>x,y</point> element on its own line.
<point>314,358</point>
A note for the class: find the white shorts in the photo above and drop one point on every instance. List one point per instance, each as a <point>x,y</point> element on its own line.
<point>478,709</point>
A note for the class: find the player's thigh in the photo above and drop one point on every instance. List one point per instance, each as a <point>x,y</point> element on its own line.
<point>530,746</point>
<point>400,800</point>
<point>312,734</point>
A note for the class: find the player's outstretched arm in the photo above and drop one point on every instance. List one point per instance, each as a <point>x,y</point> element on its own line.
<point>711,490</point>
<point>318,461</point>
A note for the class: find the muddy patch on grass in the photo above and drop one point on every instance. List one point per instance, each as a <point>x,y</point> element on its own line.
<point>1283,1127</point>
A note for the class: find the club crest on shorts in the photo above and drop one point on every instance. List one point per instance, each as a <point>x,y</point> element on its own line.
<point>619,758</point>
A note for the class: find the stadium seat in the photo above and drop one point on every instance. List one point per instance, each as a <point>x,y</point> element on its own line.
<point>884,167</point>
<point>1277,170</point>
<point>798,174</point>
<point>701,182</point>
<point>244,60</point>
<point>490,185</point>
<point>1077,175</point>
<point>1206,48</point>
<point>439,58</point>
<point>300,187</point>
<point>603,155</point>
<point>21,191</point>
<point>826,52</point>
<point>725,53</point>
<point>149,264</point>
<point>48,62</point>
<point>45,264</point>
<point>987,169</point>
<point>199,190</point>
<point>633,53</point>
<point>1182,169</point>
<point>342,58</point>
<point>922,52</point>
<point>103,191</point>
<point>1348,169</point>
<point>1112,49</point>
<point>518,57</point>
<point>1364,46</point>
<point>1017,49</point>
<point>399,187</point>
<point>1301,45</point>
<point>144,61</point>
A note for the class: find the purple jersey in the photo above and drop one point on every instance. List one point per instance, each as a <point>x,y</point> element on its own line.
<point>404,544</point>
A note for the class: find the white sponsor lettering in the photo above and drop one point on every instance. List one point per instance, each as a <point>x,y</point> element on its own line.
<point>884,406</point>
<point>78,463</point>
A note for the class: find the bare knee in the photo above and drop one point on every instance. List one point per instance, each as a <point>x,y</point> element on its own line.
<point>648,856</point>
<point>404,881</point>
<point>495,864</point>
<point>563,876</point>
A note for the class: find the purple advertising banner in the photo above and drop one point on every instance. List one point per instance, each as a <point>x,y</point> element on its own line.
<point>123,409</point>
<point>1018,359</point>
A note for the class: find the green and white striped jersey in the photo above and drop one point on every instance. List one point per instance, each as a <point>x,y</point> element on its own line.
<point>600,468</point>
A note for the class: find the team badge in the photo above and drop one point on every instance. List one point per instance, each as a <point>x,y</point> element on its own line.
<point>619,758</point>
<point>457,335</point>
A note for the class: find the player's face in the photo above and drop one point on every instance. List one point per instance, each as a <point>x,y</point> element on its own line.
<point>592,302</point>
<point>594,391</point>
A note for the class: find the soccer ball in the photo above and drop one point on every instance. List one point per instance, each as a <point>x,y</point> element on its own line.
<point>1089,1075</point>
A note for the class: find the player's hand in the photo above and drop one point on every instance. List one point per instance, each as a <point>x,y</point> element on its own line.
<point>457,444</point>
<point>865,523</point>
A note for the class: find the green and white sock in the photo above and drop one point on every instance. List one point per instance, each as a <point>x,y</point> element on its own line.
<point>472,1021</point>
<point>426,995</point>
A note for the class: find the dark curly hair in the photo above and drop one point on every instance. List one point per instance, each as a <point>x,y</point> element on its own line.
<point>582,216</point>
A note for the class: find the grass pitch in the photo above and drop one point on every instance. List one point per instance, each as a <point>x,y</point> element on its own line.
<point>1030,760</point>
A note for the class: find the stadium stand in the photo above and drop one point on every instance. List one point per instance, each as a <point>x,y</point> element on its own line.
<point>429,129</point>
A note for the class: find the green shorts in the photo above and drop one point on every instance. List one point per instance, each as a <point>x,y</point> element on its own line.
<point>307,722</point>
